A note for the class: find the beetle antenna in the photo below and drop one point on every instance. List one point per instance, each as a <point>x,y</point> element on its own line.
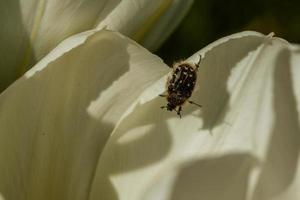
<point>198,64</point>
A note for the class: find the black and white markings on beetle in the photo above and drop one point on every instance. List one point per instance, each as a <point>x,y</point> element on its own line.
<point>180,86</point>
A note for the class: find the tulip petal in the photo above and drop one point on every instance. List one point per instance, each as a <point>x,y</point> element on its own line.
<point>32,28</point>
<point>166,24</point>
<point>245,138</point>
<point>56,119</point>
<point>148,22</point>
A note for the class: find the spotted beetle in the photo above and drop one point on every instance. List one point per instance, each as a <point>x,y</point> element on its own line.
<point>180,86</point>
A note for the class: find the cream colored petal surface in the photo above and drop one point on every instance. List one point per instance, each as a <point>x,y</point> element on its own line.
<point>32,28</point>
<point>148,22</point>
<point>242,144</point>
<point>56,119</point>
<point>49,22</point>
<point>166,24</point>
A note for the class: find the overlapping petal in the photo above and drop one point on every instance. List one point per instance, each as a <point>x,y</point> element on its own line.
<point>56,119</point>
<point>85,123</point>
<point>148,22</point>
<point>31,28</point>
<point>243,143</point>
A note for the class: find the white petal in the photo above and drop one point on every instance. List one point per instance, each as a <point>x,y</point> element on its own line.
<point>148,22</point>
<point>49,22</point>
<point>55,120</point>
<point>32,28</point>
<point>243,143</point>
<point>166,24</point>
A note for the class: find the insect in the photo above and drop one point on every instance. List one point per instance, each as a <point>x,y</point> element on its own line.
<point>180,86</point>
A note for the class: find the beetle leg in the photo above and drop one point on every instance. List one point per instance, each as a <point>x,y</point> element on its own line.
<point>162,107</point>
<point>191,102</point>
<point>179,111</point>
<point>198,64</point>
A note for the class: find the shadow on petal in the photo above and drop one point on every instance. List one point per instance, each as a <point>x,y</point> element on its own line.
<point>141,140</point>
<point>224,177</point>
<point>281,162</point>
<point>155,142</point>
<point>215,70</point>
<point>51,145</point>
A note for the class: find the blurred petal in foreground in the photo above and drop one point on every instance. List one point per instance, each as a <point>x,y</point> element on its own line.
<point>31,28</point>
<point>148,22</point>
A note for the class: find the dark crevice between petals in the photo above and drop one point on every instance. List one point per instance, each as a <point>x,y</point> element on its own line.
<point>15,43</point>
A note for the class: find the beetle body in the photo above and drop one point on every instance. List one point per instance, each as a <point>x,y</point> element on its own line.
<point>180,86</point>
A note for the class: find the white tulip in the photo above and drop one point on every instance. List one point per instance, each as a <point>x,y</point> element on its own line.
<point>86,123</point>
